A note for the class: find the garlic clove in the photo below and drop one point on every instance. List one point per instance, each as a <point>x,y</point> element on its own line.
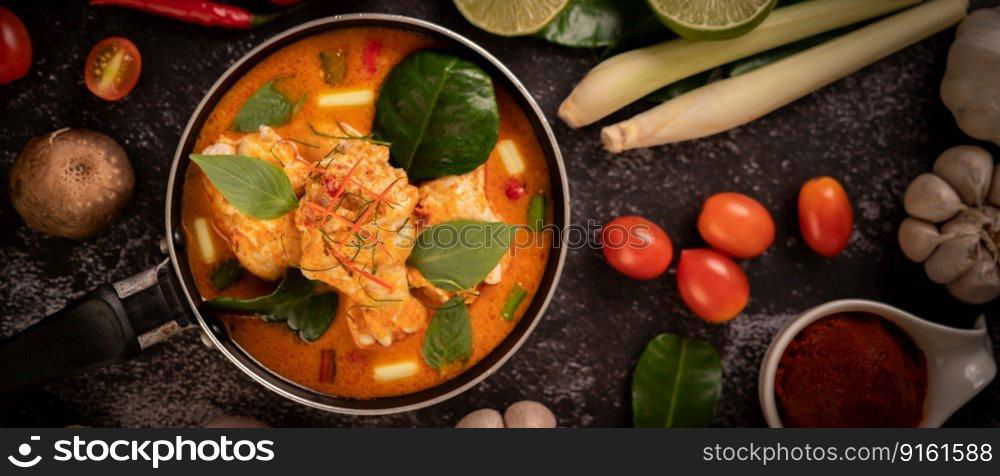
<point>931,199</point>
<point>968,169</point>
<point>969,86</point>
<point>993,197</point>
<point>953,258</point>
<point>482,418</point>
<point>966,223</point>
<point>980,284</point>
<point>918,239</point>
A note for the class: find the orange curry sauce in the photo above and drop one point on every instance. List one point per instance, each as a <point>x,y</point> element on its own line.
<point>273,344</point>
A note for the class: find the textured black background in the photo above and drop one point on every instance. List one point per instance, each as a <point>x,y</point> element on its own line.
<point>875,131</point>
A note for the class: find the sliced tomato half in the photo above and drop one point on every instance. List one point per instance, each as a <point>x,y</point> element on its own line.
<point>112,68</point>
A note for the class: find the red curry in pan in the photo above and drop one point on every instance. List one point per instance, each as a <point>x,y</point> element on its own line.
<point>313,238</point>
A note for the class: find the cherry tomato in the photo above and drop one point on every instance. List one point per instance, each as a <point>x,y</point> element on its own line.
<point>825,216</point>
<point>15,47</point>
<point>736,224</point>
<point>636,247</point>
<point>112,68</point>
<point>712,285</point>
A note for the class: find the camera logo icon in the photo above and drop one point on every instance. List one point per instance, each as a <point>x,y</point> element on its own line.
<point>25,451</point>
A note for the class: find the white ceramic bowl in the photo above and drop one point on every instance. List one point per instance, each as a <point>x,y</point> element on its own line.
<point>960,362</point>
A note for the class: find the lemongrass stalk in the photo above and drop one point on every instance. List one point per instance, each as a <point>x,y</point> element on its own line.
<point>732,102</point>
<point>624,78</point>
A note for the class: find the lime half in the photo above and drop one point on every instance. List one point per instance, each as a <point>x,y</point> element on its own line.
<point>711,19</point>
<point>511,17</point>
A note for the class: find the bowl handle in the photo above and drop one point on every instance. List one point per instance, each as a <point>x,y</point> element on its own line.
<point>968,367</point>
<point>110,324</point>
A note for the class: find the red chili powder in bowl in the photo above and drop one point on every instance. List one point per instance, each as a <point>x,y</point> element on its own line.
<point>854,370</point>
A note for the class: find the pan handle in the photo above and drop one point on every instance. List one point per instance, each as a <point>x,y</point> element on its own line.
<point>112,323</point>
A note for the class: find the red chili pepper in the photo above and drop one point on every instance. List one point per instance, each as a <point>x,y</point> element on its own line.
<point>357,358</point>
<point>327,365</point>
<point>201,12</point>
<point>370,56</point>
<point>513,189</point>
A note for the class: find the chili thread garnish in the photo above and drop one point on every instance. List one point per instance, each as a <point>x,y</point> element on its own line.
<point>378,199</point>
<point>352,269</point>
<point>327,212</point>
<point>284,253</point>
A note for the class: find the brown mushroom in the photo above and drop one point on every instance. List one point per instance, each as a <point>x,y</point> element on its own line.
<point>71,182</point>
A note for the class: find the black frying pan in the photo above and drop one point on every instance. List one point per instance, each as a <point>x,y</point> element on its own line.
<point>117,321</point>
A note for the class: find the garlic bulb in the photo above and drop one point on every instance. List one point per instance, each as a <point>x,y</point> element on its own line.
<point>954,225</point>
<point>969,88</point>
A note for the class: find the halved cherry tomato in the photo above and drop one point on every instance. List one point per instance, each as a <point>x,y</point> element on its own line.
<point>15,47</point>
<point>736,224</point>
<point>712,285</point>
<point>636,247</point>
<point>825,216</point>
<point>112,68</point>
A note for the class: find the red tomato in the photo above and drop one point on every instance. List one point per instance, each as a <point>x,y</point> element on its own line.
<point>15,47</point>
<point>825,216</point>
<point>712,285</point>
<point>636,247</point>
<point>112,68</point>
<point>736,224</point>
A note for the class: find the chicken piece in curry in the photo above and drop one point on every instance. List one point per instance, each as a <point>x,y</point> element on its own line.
<point>356,222</point>
<point>450,198</point>
<point>259,245</point>
<point>330,282</point>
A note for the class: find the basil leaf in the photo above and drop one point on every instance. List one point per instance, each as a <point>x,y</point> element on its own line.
<point>676,383</point>
<point>267,107</point>
<point>449,336</point>
<point>457,255</point>
<point>293,287</point>
<point>310,317</point>
<point>594,23</point>
<point>225,275</point>
<point>256,188</point>
<point>440,114</point>
<point>295,302</point>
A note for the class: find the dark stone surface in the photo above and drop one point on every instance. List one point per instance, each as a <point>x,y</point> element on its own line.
<point>875,131</point>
